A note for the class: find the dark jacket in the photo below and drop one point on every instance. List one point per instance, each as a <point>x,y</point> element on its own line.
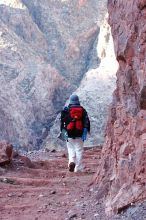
<point>65,119</point>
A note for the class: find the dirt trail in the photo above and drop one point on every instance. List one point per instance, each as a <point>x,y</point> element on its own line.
<point>46,189</point>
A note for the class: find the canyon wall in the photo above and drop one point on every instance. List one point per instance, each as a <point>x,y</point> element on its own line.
<point>122,174</point>
<point>28,88</point>
<point>45,49</point>
<point>95,91</point>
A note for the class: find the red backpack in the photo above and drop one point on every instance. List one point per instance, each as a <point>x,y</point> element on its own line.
<point>76,119</point>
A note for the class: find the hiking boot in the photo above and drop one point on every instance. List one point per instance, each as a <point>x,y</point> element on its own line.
<point>71,167</point>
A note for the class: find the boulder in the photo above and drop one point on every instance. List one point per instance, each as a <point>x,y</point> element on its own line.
<point>6,153</point>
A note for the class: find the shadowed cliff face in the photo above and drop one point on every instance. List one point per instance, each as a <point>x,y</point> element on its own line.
<point>45,49</point>
<point>122,175</point>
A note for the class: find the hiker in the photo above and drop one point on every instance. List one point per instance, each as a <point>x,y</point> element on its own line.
<point>75,121</point>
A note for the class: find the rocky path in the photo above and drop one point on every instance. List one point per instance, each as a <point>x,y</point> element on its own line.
<point>46,190</point>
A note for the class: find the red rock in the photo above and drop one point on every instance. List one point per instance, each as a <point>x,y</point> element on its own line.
<point>121,176</point>
<point>25,161</point>
<point>6,152</point>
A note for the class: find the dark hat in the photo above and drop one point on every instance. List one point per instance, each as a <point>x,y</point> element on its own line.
<point>74,100</point>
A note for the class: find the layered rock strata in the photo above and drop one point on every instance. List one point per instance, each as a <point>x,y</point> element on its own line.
<point>122,174</point>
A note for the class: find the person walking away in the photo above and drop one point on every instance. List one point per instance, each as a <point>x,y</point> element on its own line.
<point>75,120</point>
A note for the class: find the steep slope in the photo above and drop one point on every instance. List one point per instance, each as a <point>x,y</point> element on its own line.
<point>95,90</point>
<point>71,30</point>
<point>45,49</point>
<point>122,174</point>
<point>28,88</point>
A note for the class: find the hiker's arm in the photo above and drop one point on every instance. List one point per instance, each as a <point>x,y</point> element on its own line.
<point>86,121</point>
<point>61,121</point>
<point>64,117</point>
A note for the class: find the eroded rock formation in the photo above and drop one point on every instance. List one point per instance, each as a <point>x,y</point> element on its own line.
<point>6,153</point>
<point>28,88</point>
<point>95,90</point>
<point>122,174</point>
<point>70,29</point>
<point>45,49</point>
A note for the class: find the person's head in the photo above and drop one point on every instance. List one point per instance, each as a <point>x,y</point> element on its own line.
<point>74,100</point>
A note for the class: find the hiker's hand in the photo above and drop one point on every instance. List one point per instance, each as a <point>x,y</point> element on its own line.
<point>65,109</point>
<point>84,135</point>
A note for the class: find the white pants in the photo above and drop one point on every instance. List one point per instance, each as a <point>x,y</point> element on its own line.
<point>75,152</point>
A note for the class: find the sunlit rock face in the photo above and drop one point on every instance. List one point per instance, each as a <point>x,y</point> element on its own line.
<point>12,3</point>
<point>97,86</point>
<point>95,90</point>
<point>45,49</point>
<point>122,174</point>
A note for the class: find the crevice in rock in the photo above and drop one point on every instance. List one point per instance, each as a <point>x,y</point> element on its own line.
<point>143,98</point>
<point>123,209</point>
<point>121,58</point>
<point>142,4</point>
